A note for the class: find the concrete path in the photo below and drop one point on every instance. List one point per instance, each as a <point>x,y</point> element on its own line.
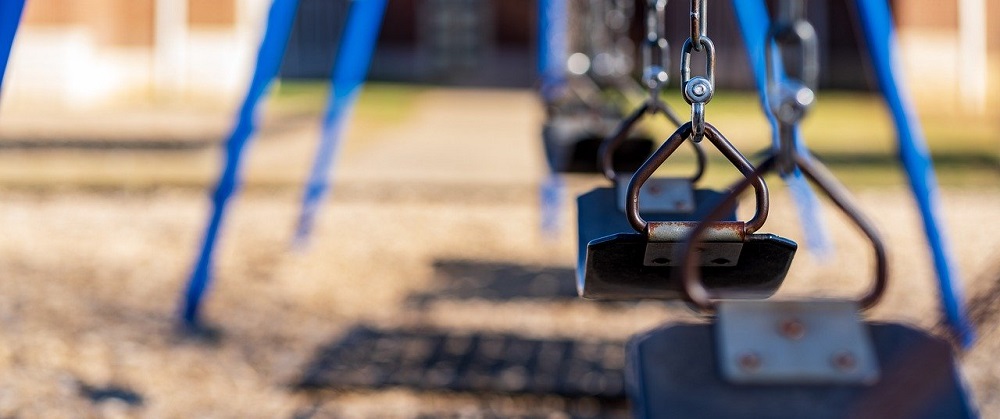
<point>450,136</point>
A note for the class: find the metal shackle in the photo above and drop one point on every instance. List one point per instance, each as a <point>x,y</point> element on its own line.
<point>821,177</point>
<point>673,142</point>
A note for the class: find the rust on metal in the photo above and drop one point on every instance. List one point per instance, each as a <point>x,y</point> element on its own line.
<point>844,361</point>
<point>676,231</point>
<point>749,362</point>
<point>606,151</point>
<point>827,183</point>
<point>669,146</point>
<point>792,329</point>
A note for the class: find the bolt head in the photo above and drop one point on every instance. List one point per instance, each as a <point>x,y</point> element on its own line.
<point>844,361</point>
<point>698,90</point>
<point>793,101</point>
<point>655,77</point>
<point>749,362</point>
<point>792,329</point>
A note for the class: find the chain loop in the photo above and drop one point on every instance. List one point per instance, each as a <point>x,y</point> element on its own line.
<point>655,50</point>
<point>698,91</point>
<point>791,90</point>
<point>699,22</point>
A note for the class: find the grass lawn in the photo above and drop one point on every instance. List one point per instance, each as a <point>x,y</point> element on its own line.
<point>385,102</point>
<point>850,131</point>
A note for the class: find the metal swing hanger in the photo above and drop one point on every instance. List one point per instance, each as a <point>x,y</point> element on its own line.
<point>738,262</point>
<point>791,97</point>
<point>656,61</point>
<point>819,175</point>
<point>698,90</point>
<point>674,230</point>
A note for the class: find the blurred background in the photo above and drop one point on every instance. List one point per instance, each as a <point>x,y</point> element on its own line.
<point>112,121</point>
<point>86,54</point>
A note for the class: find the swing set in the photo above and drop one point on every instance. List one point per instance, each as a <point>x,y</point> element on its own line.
<point>646,237</point>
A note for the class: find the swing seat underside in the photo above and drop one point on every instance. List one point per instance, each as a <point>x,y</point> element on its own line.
<point>616,268</point>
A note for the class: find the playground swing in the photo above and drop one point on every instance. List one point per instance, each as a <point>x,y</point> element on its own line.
<point>807,358</point>
<point>754,25</point>
<point>579,93</point>
<point>348,74</point>
<point>739,263</point>
<point>599,211</point>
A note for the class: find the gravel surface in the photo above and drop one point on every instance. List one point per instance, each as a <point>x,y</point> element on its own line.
<point>92,280</point>
<point>96,247</point>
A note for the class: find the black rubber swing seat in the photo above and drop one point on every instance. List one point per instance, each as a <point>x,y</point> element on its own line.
<point>598,216</point>
<point>673,372</point>
<point>615,269</point>
<point>571,146</point>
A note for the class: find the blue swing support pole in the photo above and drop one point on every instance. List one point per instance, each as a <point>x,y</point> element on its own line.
<point>272,47</point>
<point>754,25</point>
<point>350,67</point>
<point>879,33</point>
<point>552,47</point>
<point>10,19</point>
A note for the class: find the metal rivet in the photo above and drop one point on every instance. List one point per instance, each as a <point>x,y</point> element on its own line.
<point>749,362</point>
<point>844,361</point>
<point>792,329</point>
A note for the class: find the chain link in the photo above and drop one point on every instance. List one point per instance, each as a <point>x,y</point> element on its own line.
<point>699,22</point>
<point>791,89</point>
<point>655,50</point>
<point>610,44</point>
<point>698,90</point>
<point>619,19</point>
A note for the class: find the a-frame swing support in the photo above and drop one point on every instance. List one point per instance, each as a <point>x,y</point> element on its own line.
<point>10,19</point>
<point>349,72</point>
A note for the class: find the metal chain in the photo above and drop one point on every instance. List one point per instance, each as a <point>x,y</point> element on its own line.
<point>791,90</point>
<point>656,62</point>
<point>618,19</point>
<point>698,90</point>
<point>699,22</point>
<point>608,44</point>
<point>655,50</point>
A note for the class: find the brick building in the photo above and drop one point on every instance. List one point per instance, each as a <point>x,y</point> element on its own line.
<point>84,52</point>
<point>81,52</point>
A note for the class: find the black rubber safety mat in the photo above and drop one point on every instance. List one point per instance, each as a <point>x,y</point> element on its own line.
<point>498,281</point>
<point>469,362</point>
